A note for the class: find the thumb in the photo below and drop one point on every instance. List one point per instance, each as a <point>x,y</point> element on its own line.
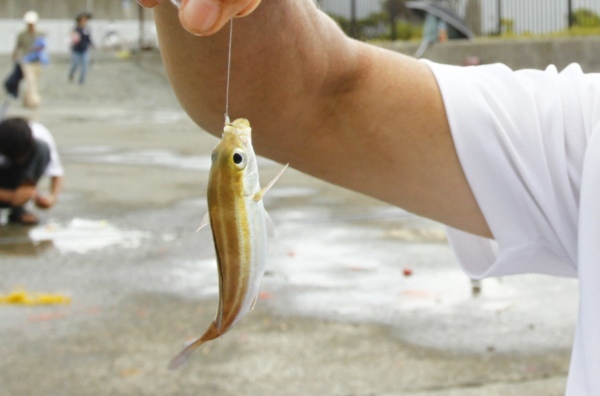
<point>206,17</point>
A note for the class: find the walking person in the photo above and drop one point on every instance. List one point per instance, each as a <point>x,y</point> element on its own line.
<point>30,53</point>
<point>81,42</point>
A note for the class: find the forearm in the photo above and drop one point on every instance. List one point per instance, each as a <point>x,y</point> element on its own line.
<point>56,184</point>
<point>6,196</point>
<point>278,61</point>
<point>48,201</point>
<point>352,114</point>
<point>18,196</point>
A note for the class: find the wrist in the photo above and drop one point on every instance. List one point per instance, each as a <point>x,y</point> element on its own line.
<point>7,196</point>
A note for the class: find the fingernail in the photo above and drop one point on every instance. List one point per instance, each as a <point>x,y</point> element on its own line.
<point>149,4</point>
<point>200,15</point>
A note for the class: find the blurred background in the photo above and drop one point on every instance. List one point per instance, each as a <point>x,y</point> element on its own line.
<point>116,24</point>
<point>402,25</point>
<point>359,298</point>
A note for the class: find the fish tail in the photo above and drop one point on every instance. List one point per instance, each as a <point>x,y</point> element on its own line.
<point>183,356</point>
<point>191,346</point>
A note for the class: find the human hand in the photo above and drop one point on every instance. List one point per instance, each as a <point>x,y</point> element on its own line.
<point>206,17</point>
<point>44,202</point>
<point>22,195</point>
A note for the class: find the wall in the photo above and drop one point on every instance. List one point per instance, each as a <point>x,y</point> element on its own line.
<point>517,53</point>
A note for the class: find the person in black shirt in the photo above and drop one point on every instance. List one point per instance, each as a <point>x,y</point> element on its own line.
<point>81,43</point>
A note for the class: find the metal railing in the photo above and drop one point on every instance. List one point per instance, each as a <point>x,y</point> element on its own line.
<point>392,20</point>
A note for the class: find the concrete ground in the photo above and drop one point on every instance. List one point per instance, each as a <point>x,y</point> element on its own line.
<point>360,298</point>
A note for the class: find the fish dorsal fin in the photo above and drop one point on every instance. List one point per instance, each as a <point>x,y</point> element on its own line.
<point>205,221</point>
<point>258,196</point>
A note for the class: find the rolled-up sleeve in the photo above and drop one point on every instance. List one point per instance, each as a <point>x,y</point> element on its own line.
<point>529,144</point>
<point>521,137</point>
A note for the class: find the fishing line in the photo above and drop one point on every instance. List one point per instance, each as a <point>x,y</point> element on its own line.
<point>177,3</point>
<point>228,72</point>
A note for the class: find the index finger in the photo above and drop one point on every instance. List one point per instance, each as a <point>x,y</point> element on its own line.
<point>206,17</point>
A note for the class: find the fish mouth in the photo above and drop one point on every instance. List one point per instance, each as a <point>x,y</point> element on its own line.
<point>241,127</point>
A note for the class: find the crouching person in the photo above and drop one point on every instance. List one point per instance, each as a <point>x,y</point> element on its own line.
<point>27,153</point>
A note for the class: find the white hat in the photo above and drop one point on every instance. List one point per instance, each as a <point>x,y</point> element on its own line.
<point>31,17</point>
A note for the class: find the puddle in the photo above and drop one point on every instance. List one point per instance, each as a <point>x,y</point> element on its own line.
<point>320,215</point>
<point>355,272</point>
<point>349,274</point>
<point>359,273</point>
<point>197,278</point>
<point>292,192</point>
<point>119,116</point>
<point>111,155</point>
<point>82,236</point>
<point>156,117</point>
<point>167,158</point>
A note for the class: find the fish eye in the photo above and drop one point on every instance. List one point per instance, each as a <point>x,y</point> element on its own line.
<point>239,158</point>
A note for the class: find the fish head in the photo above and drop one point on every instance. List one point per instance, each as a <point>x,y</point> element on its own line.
<point>233,158</point>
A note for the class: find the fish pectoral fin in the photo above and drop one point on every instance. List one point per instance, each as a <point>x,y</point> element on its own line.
<point>258,196</point>
<point>205,221</point>
<point>270,225</point>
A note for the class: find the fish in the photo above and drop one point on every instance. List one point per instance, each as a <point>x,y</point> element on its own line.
<point>240,227</point>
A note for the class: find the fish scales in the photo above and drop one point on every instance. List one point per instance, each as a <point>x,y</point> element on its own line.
<point>239,225</point>
<point>229,224</point>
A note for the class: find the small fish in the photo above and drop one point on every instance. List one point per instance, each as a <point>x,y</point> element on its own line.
<point>240,226</point>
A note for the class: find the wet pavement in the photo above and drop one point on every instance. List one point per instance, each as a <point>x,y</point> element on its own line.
<point>359,298</point>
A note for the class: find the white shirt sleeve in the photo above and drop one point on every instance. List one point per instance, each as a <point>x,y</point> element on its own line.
<point>521,138</point>
<point>40,132</point>
<point>529,144</point>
